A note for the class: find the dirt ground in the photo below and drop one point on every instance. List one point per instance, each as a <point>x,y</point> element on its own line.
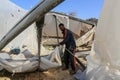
<point>52,74</point>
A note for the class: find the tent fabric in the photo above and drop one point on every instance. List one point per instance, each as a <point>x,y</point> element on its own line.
<point>49,28</point>
<point>9,16</point>
<point>104,61</point>
<point>87,37</point>
<point>19,63</point>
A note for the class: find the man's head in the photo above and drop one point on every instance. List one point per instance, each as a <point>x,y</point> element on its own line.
<point>61,26</point>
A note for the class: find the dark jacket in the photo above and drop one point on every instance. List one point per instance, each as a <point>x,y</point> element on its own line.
<point>68,39</point>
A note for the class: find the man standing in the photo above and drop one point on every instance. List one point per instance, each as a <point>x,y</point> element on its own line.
<point>69,54</point>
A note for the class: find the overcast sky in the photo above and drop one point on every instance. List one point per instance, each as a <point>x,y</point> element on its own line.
<point>84,9</point>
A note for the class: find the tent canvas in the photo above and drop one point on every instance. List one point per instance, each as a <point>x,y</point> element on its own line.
<point>104,59</point>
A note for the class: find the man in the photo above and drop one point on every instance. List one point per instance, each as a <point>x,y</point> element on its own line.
<point>69,49</point>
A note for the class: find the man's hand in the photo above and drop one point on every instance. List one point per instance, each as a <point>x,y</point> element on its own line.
<point>58,45</point>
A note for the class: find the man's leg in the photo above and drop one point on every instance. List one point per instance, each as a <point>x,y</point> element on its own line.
<point>73,61</point>
<point>66,59</point>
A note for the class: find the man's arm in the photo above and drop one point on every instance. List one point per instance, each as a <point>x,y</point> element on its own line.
<point>65,39</point>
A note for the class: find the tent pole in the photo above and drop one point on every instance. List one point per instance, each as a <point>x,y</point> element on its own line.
<point>56,28</point>
<point>39,25</point>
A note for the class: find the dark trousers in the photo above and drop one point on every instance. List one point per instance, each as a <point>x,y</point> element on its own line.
<point>70,59</point>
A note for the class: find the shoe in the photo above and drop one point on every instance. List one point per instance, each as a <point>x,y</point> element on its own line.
<point>64,68</point>
<point>72,72</point>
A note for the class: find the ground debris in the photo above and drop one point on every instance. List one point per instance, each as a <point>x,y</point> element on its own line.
<point>52,74</point>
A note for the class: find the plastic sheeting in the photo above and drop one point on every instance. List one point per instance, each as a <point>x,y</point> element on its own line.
<point>9,16</point>
<point>87,37</point>
<point>19,63</point>
<point>104,61</point>
<point>51,61</point>
<point>49,28</point>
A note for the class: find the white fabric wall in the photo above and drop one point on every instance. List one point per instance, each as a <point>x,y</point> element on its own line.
<point>104,64</point>
<point>107,38</point>
<point>10,14</point>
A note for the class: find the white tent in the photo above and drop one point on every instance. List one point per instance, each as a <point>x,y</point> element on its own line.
<point>11,14</point>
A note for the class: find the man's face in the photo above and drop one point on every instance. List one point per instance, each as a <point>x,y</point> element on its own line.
<point>61,28</point>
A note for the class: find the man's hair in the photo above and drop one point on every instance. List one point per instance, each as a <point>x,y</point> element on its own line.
<point>61,24</point>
